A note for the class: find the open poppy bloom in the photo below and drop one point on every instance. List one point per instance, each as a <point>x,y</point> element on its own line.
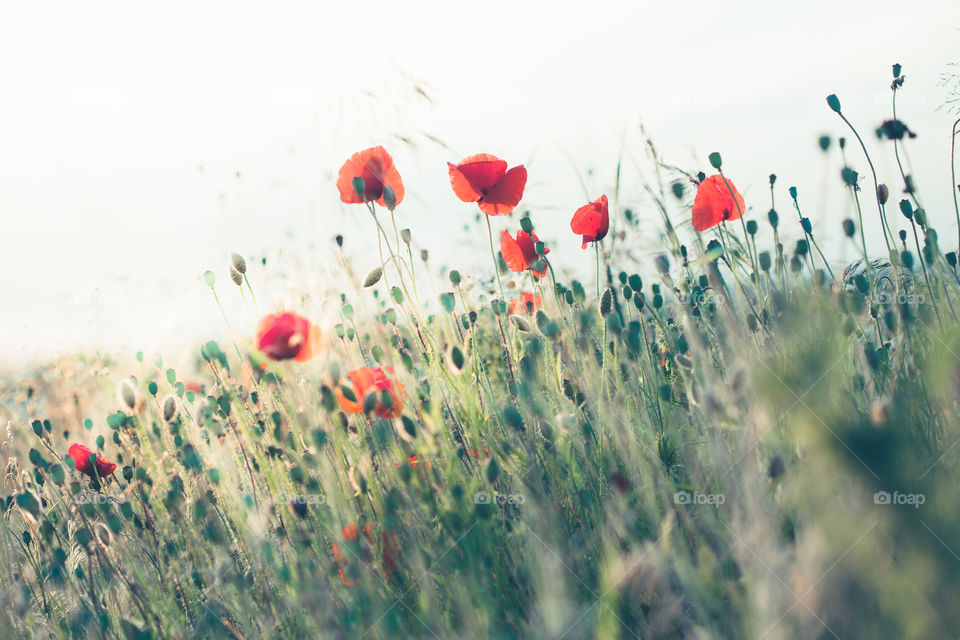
<point>367,380</point>
<point>375,167</point>
<point>714,205</point>
<point>81,461</point>
<point>526,303</point>
<point>520,254</point>
<point>484,179</point>
<point>592,221</point>
<point>283,336</point>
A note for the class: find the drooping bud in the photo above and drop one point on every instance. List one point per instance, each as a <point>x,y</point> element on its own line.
<point>833,102</point>
<point>824,142</point>
<point>773,218</point>
<point>526,224</point>
<point>793,193</point>
<point>715,160</point>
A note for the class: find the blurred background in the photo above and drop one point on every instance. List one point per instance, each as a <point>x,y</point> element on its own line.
<point>139,145</point>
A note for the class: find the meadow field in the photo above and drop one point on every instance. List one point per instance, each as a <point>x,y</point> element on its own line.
<point>741,437</point>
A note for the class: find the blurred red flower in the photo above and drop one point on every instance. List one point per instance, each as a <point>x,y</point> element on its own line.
<point>520,254</point>
<point>592,221</point>
<point>484,179</point>
<point>714,205</point>
<point>525,303</point>
<point>81,461</point>
<point>283,336</point>
<point>368,380</point>
<point>351,534</point>
<point>375,167</point>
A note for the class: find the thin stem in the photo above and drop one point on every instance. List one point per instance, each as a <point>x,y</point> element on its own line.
<point>493,254</point>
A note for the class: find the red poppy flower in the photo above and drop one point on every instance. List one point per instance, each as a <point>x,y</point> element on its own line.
<point>414,461</point>
<point>713,203</point>
<point>283,336</point>
<point>520,254</point>
<point>592,221</point>
<point>351,533</point>
<point>367,380</point>
<point>376,168</point>
<point>484,179</point>
<point>81,461</point>
<point>526,303</point>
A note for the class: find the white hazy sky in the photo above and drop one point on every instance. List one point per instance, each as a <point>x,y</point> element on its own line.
<point>140,144</point>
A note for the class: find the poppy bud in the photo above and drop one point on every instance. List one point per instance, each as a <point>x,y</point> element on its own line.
<point>896,70</point>
<point>774,218</point>
<point>636,283</point>
<point>359,187</point>
<point>903,235</point>
<point>339,240</point>
<point>128,393</point>
<point>908,184</point>
<point>424,255</point>
<point>538,247</point>
<point>849,228</point>
<point>793,192</point>
<point>236,276</point>
<point>833,102</point>
<point>238,263</point>
<point>169,408</point>
<point>209,278</point>
<point>883,194</point>
<point>906,209</point>
<point>454,277</point>
<point>389,197</point>
<point>906,258</point>
<point>920,217</point>
<point>764,260</point>
<point>842,142</point>
<point>773,179</point>
<point>663,264</point>
<point>526,224</point>
<point>752,227</point>
<point>807,226</point>
<point>677,189</point>
<point>405,235</point>
<point>715,160</point>
<point>824,142</point>
<point>802,248</point>
<point>951,259</point>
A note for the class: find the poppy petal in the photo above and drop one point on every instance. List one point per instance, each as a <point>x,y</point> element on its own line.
<point>481,173</point>
<point>501,199</point>
<point>591,221</point>
<point>512,253</point>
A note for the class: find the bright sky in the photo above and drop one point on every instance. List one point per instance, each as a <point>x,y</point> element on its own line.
<point>140,144</point>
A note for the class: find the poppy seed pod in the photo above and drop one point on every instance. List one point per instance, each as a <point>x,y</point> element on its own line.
<point>752,227</point>
<point>773,179</point>
<point>824,142</point>
<point>793,193</point>
<point>238,263</point>
<point>896,70</point>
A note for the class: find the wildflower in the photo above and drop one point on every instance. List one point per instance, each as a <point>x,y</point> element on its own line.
<point>713,203</point>
<point>520,254</point>
<point>81,461</point>
<point>484,179</point>
<point>367,380</point>
<point>378,178</point>
<point>282,336</point>
<point>351,534</point>
<point>526,303</point>
<point>592,221</point>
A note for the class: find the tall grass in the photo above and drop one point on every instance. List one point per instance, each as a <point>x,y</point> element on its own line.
<point>730,444</point>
